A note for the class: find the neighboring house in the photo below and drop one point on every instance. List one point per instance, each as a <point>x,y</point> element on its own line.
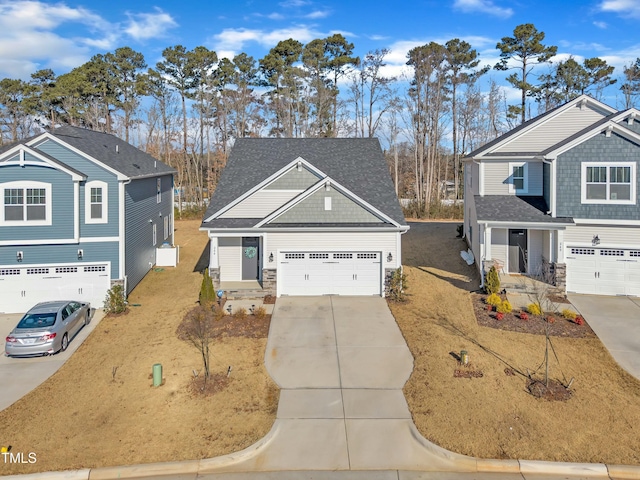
<point>305,217</point>
<point>559,194</point>
<point>81,210</point>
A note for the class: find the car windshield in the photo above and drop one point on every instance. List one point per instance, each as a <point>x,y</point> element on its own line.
<point>37,320</point>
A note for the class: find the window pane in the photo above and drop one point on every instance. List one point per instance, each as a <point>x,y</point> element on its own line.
<point>96,195</point>
<point>597,192</point>
<point>96,210</point>
<point>13,213</point>
<point>620,192</point>
<point>620,174</point>
<point>597,174</point>
<point>36,212</point>
<point>518,183</point>
<point>13,196</point>
<point>36,196</point>
<point>518,172</point>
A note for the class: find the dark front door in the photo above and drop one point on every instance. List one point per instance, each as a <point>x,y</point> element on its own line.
<point>250,255</point>
<point>518,251</point>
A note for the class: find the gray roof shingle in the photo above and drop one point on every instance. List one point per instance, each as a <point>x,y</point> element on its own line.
<point>511,208</point>
<point>356,163</point>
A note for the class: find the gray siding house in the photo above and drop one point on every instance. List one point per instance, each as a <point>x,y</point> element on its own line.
<point>304,217</point>
<point>81,210</point>
<point>559,194</point>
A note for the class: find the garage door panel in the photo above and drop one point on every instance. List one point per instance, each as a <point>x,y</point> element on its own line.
<point>330,273</point>
<point>604,271</point>
<point>40,283</point>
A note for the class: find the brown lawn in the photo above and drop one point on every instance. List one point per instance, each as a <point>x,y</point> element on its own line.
<point>99,409</point>
<point>493,415</point>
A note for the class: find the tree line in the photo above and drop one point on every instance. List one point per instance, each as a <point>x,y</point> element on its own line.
<point>189,108</point>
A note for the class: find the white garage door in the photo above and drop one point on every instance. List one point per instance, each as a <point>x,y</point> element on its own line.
<point>603,271</point>
<point>22,287</point>
<point>330,273</point>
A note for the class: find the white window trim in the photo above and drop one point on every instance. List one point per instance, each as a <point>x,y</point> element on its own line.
<point>159,190</point>
<point>165,222</point>
<point>606,201</point>
<point>25,185</point>
<point>525,180</point>
<point>87,201</point>
<point>155,235</point>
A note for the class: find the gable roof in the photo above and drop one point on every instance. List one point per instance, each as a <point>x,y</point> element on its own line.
<point>511,208</point>
<point>47,159</point>
<point>355,163</point>
<point>110,150</point>
<point>489,149</point>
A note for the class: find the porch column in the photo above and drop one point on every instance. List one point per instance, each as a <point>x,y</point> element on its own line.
<point>487,243</point>
<point>213,253</point>
<point>560,246</point>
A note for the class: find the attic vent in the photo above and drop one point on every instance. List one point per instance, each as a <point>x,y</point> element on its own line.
<point>117,148</point>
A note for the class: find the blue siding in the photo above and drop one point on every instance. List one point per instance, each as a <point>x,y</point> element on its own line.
<point>61,199</point>
<point>140,207</point>
<point>569,174</point>
<point>93,172</point>
<point>67,254</point>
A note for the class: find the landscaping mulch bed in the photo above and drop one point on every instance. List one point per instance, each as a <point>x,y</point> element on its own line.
<point>536,325</point>
<point>554,391</point>
<point>247,327</point>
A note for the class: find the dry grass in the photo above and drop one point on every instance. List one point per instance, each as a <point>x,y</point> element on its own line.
<point>493,416</point>
<point>85,416</point>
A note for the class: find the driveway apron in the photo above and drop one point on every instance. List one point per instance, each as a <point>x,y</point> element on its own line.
<point>341,363</point>
<point>616,322</point>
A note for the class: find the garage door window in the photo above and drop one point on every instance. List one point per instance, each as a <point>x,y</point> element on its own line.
<point>26,203</point>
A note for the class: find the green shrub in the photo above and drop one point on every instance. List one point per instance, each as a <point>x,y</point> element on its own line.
<point>207,292</point>
<point>492,281</point>
<point>504,307</point>
<point>534,309</point>
<point>569,314</point>
<point>115,301</point>
<point>397,285</point>
<point>493,299</point>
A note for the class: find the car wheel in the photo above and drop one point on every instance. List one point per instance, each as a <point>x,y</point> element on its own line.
<point>65,343</point>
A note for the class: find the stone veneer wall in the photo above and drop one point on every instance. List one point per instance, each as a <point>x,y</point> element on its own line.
<point>388,273</point>
<point>560,277</point>
<point>214,273</point>
<point>269,281</point>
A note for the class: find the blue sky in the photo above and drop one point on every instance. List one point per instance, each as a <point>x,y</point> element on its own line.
<point>61,35</point>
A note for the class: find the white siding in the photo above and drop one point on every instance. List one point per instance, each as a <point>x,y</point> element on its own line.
<point>546,245</point>
<point>497,178</point>
<point>553,130</point>
<point>534,253</point>
<point>260,204</point>
<point>230,256</point>
<point>609,236</point>
<point>499,245</point>
<point>337,241</point>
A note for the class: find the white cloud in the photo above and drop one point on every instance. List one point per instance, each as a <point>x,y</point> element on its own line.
<point>482,6</point>
<point>233,40</point>
<point>143,26</point>
<point>626,8</point>
<point>318,14</point>
<point>602,25</point>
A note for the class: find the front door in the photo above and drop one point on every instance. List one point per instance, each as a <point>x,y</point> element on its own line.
<point>517,251</point>
<point>250,255</point>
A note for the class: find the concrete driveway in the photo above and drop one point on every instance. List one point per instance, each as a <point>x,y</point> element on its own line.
<point>341,363</point>
<point>18,376</point>
<point>616,322</point>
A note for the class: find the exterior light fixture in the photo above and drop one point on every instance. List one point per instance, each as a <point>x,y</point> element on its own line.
<point>389,257</point>
<point>595,241</point>
<point>19,256</point>
<point>80,254</point>
<point>271,257</point>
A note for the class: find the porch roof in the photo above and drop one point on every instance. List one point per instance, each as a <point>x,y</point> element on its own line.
<point>511,208</point>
